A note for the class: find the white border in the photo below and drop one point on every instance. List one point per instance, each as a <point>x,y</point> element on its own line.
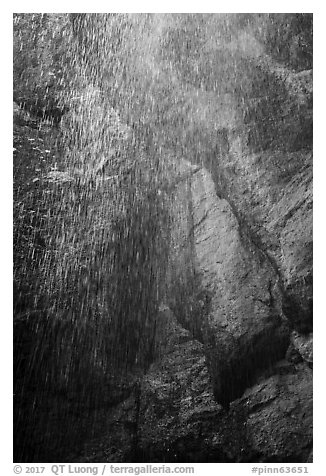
<point>319,199</point>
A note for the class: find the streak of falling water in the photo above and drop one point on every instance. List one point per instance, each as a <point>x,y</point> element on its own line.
<point>102,277</point>
<point>109,240</point>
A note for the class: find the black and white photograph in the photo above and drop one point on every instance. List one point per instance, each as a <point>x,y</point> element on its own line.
<point>162,241</point>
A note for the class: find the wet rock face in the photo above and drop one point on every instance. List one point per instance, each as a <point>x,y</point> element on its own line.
<point>242,249</point>
<point>243,330</point>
